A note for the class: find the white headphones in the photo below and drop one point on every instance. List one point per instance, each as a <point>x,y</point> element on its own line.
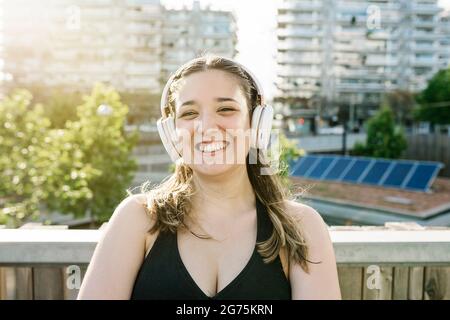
<point>260,128</point>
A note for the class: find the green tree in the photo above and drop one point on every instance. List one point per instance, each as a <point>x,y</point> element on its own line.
<point>84,167</point>
<point>34,161</point>
<point>402,103</point>
<point>106,148</point>
<point>61,107</point>
<point>58,103</point>
<point>384,138</point>
<point>434,100</point>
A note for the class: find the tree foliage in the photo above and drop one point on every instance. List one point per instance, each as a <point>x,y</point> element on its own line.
<point>384,138</point>
<point>83,167</point>
<point>402,103</point>
<point>434,100</point>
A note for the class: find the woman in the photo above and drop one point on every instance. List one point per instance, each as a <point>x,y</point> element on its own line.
<point>215,229</point>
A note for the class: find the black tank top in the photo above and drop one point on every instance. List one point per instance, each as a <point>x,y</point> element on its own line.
<point>164,276</point>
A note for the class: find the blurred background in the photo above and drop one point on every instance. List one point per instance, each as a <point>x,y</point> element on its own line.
<point>80,83</point>
<point>360,88</point>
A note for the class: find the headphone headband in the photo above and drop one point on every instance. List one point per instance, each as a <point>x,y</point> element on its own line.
<point>163,104</point>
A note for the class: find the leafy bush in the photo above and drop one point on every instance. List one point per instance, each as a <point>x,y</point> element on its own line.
<point>384,138</point>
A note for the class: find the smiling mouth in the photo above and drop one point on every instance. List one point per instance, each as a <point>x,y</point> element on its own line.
<point>211,147</point>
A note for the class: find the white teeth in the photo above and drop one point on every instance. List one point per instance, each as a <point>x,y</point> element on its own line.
<point>216,146</point>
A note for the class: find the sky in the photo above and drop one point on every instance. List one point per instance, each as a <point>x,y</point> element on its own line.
<point>445,4</point>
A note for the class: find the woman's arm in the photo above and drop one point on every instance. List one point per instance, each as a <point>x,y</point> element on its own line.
<point>322,281</point>
<point>118,254</point>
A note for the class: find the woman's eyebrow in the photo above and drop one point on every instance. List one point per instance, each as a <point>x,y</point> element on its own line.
<point>188,103</point>
<point>225,100</point>
<point>220,99</point>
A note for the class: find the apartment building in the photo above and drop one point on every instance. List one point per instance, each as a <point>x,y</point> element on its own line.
<point>189,32</point>
<point>130,44</point>
<point>350,52</point>
<point>444,23</point>
<point>73,44</point>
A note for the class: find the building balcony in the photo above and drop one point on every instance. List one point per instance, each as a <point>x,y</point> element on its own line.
<point>301,5</point>
<point>423,62</point>
<point>424,47</point>
<point>299,60</point>
<point>431,8</point>
<point>385,61</point>
<point>142,28</point>
<point>424,23</point>
<point>363,74</point>
<point>299,32</point>
<point>409,262</point>
<point>300,73</point>
<point>304,90</point>
<point>298,46</point>
<point>360,87</point>
<point>297,19</point>
<point>145,16</point>
<point>422,35</point>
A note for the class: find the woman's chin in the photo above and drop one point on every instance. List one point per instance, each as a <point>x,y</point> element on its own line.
<point>216,163</point>
<point>212,169</point>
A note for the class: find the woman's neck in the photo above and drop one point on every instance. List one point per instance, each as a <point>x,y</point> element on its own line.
<point>220,196</point>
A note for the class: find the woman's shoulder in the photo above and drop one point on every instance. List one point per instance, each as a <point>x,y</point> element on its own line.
<point>132,212</point>
<point>309,219</point>
<point>301,211</point>
<point>119,252</point>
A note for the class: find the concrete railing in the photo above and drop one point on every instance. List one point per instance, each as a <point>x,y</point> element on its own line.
<point>397,261</point>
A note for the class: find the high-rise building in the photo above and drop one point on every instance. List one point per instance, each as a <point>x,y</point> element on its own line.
<point>129,44</point>
<point>351,52</point>
<point>73,45</point>
<point>444,24</point>
<point>188,33</point>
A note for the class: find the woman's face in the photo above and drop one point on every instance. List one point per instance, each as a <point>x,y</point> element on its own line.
<point>213,121</point>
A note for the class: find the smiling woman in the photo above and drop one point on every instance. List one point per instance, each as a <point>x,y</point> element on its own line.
<point>215,229</point>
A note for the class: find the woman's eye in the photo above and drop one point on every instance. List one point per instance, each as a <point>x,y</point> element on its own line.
<point>226,109</point>
<point>188,114</point>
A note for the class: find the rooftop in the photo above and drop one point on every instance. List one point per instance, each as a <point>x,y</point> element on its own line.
<point>419,206</point>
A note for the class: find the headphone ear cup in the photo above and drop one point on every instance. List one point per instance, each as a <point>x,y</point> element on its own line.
<point>170,129</point>
<point>255,126</point>
<point>265,127</point>
<point>166,133</point>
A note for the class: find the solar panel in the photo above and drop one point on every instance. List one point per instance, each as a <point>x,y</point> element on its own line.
<point>320,168</point>
<point>304,165</point>
<point>337,169</point>
<point>356,170</point>
<point>397,175</point>
<point>403,174</point>
<point>376,172</point>
<point>422,177</point>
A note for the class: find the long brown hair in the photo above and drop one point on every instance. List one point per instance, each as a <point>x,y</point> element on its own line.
<point>169,202</point>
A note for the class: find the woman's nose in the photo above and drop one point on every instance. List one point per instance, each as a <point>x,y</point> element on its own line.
<point>206,122</point>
